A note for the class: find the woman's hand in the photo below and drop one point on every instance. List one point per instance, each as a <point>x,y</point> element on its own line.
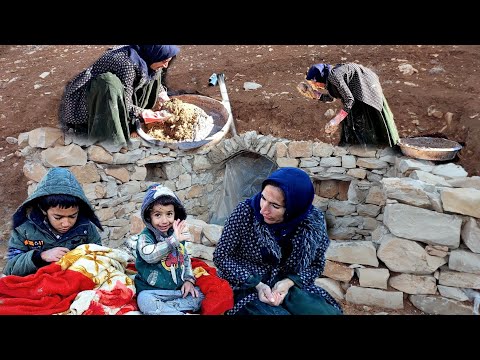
<point>150,116</point>
<point>188,288</point>
<point>265,294</point>
<point>333,124</point>
<point>163,97</point>
<point>280,290</point>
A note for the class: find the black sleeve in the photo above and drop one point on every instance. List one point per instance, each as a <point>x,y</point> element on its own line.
<point>37,259</point>
<point>326,98</point>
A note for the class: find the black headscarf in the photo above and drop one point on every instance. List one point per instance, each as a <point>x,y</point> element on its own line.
<point>319,72</point>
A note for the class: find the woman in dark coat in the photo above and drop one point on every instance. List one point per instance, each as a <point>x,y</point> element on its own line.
<point>365,116</point>
<point>124,83</point>
<point>272,249</point>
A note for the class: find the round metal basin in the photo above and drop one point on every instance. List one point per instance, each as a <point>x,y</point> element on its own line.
<point>429,148</point>
<point>213,108</point>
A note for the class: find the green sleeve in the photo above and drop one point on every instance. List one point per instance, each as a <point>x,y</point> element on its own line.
<point>20,264</point>
<point>296,279</point>
<point>252,281</point>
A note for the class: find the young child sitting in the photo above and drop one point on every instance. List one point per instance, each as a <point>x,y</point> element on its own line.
<point>56,218</point>
<point>165,281</point>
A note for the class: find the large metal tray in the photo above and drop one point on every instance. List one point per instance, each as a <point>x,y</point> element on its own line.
<point>214,108</point>
<point>429,148</point>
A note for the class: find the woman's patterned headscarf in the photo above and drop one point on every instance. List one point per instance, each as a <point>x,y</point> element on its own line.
<point>146,55</point>
<point>155,53</point>
<point>319,72</point>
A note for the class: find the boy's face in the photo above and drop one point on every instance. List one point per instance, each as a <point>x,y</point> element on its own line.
<point>162,217</point>
<point>62,219</point>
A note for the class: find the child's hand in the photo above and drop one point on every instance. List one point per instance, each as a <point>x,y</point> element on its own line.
<point>189,288</point>
<point>54,254</point>
<point>180,229</point>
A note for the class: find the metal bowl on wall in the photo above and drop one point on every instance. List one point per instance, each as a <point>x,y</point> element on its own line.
<point>220,123</point>
<point>429,148</point>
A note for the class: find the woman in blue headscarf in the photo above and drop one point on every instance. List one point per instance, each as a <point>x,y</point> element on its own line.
<point>365,116</point>
<point>272,249</point>
<point>124,83</point>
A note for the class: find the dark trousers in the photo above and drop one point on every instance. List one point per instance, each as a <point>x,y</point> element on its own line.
<point>297,302</point>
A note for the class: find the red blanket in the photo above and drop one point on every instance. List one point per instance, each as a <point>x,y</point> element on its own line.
<point>50,290</point>
<point>217,291</point>
<point>88,280</point>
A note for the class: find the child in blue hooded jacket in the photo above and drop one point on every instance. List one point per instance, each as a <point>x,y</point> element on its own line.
<point>165,281</point>
<point>56,218</point>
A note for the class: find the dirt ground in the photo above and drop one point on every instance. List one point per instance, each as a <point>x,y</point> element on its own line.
<point>446,78</point>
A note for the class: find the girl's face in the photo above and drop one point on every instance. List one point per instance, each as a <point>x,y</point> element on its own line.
<point>161,64</point>
<point>62,219</point>
<point>162,217</point>
<point>272,205</point>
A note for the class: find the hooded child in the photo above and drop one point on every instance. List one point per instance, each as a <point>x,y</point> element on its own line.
<point>165,281</point>
<point>56,218</point>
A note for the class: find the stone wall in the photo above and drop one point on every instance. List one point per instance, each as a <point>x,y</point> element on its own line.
<point>399,227</point>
